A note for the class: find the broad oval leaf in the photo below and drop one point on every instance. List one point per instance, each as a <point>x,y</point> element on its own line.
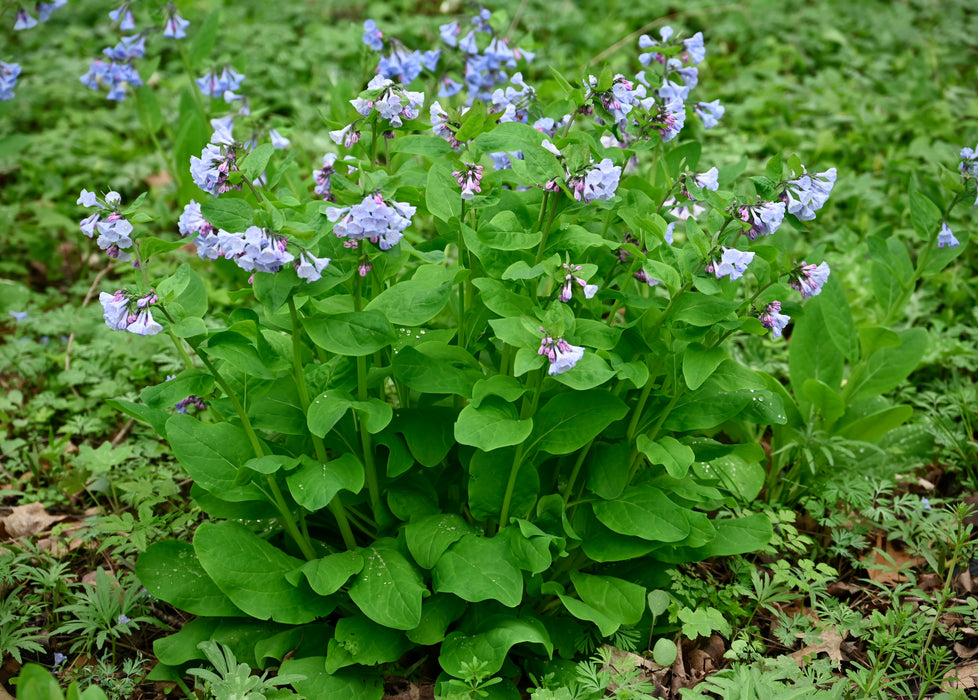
<point>644,511</point>
<point>479,568</point>
<point>252,573</point>
<point>354,334</point>
<point>171,572</point>
<point>388,590</point>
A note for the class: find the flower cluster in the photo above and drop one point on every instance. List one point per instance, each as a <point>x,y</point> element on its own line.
<point>9,73</point>
<point>113,230</point>
<point>772,319</point>
<point>217,161</point>
<point>486,68</point>
<point>732,263</point>
<point>323,178</point>
<point>969,165</point>
<point>590,183</point>
<point>567,285</point>
<point>125,311</point>
<point>401,65</point>
<point>119,73</point>
<point>807,194</point>
<point>562,355</point>
<point>762,218</point>
<point>372,219</point>
<point>662,110</point>
<point>221,83</point>
<point>390,100</point>
<point>623,96</point>
<point>469,179</point>
<point>44,11</point>
<point>809,279</point>
<point>192,400</point>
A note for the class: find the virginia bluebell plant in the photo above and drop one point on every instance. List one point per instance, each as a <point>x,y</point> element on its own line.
<point>478,385</point>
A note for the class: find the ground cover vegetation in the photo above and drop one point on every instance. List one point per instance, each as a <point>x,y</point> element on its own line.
<point>403,350</point>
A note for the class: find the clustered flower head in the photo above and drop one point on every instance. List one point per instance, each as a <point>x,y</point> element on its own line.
<point>809,279</point>
<point>221,83</point>
<point>217,161</point>
<point>176,26</point>
<point>772,319</point>
<point>562,355</point>
<point>469,179</point>
<point>969,165</point>
<point>764,218</point>
<point>390,100</point>
<point>807,194</point>
<point>253,250</point>
<point>372,219</point>
<point>9,73</point>
<point>118,73</point>
<point>946,239</point>
<point>44,11</point>
<point>113,230</point>
<point>485,69</point>
<point>323,178</point>
<point>732,263</point>
<point>126,311</point>
<point>623,96</point>
<point>567,284</point>
<point>592,183</point>
<point>192,400</point>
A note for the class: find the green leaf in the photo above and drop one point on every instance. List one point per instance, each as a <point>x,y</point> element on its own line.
<point>812,353</point>
<point>644,511</point>
<point>203,42</point>
<point>240,352</point>
<point>428,145</point>
<point>213,454</point>
<point>488,479</point>
<point>701,309</point>
<point>321,685</point>
<point>825,400</point>
<point>362,641</point>
<point>36,683</point>
<point>509,388</point>
<point>443,197</point>
<point>669,452</point>
<point>838,318</point>
<point>505,232</point>
<point>589,372</point>
<point>228,214</point>
<point>330,573</point>
<point>388,589</point>
<point>707,409</point>
<point>354,334</point>
<point>617,598</point>
<point>374,414</point>
<point>437,613</point>
<point>703,622</point>
<point>415,301</point>
<point>491,643</point>
<point>436,368</point>
<point>429,537</point>
<point>325,412</point>
<point>495,423</point>
<point>570,420</point>
<point>699,362</point>
<point>171,572</point>
<point>428,432</point>
<point>479,568</point>
<point>254,164</point>
<point>499,299</point>
<point>875,425</point>
<point>252,573</point>
<point>148,247</point>
<point>314,484</point>
<point>665,652</point>
<point>886,368</point>
<point>925,216</point>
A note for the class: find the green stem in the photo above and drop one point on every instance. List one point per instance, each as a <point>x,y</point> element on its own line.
<point>528,409</point>
<point>336,504</point>
<point>461,286</point>
<point>190,76</point>
<point>285,513</point>
<point>578,463</point>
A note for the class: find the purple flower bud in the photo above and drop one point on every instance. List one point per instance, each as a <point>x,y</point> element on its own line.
<point>772,319</point>
<point>809,279</point>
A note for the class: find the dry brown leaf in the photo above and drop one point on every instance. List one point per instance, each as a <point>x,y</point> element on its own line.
<point>963,651</point>
<point>831,644</point>
<point>963,677</point>
<point>4,695</point>
<point>26,520</point>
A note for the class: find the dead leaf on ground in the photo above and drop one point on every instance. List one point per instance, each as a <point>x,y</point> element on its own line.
<point>831,644</point>
<point>411,691</point>
<point>963,677</point>
<point>26,520</point>
<point>963,651</point>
